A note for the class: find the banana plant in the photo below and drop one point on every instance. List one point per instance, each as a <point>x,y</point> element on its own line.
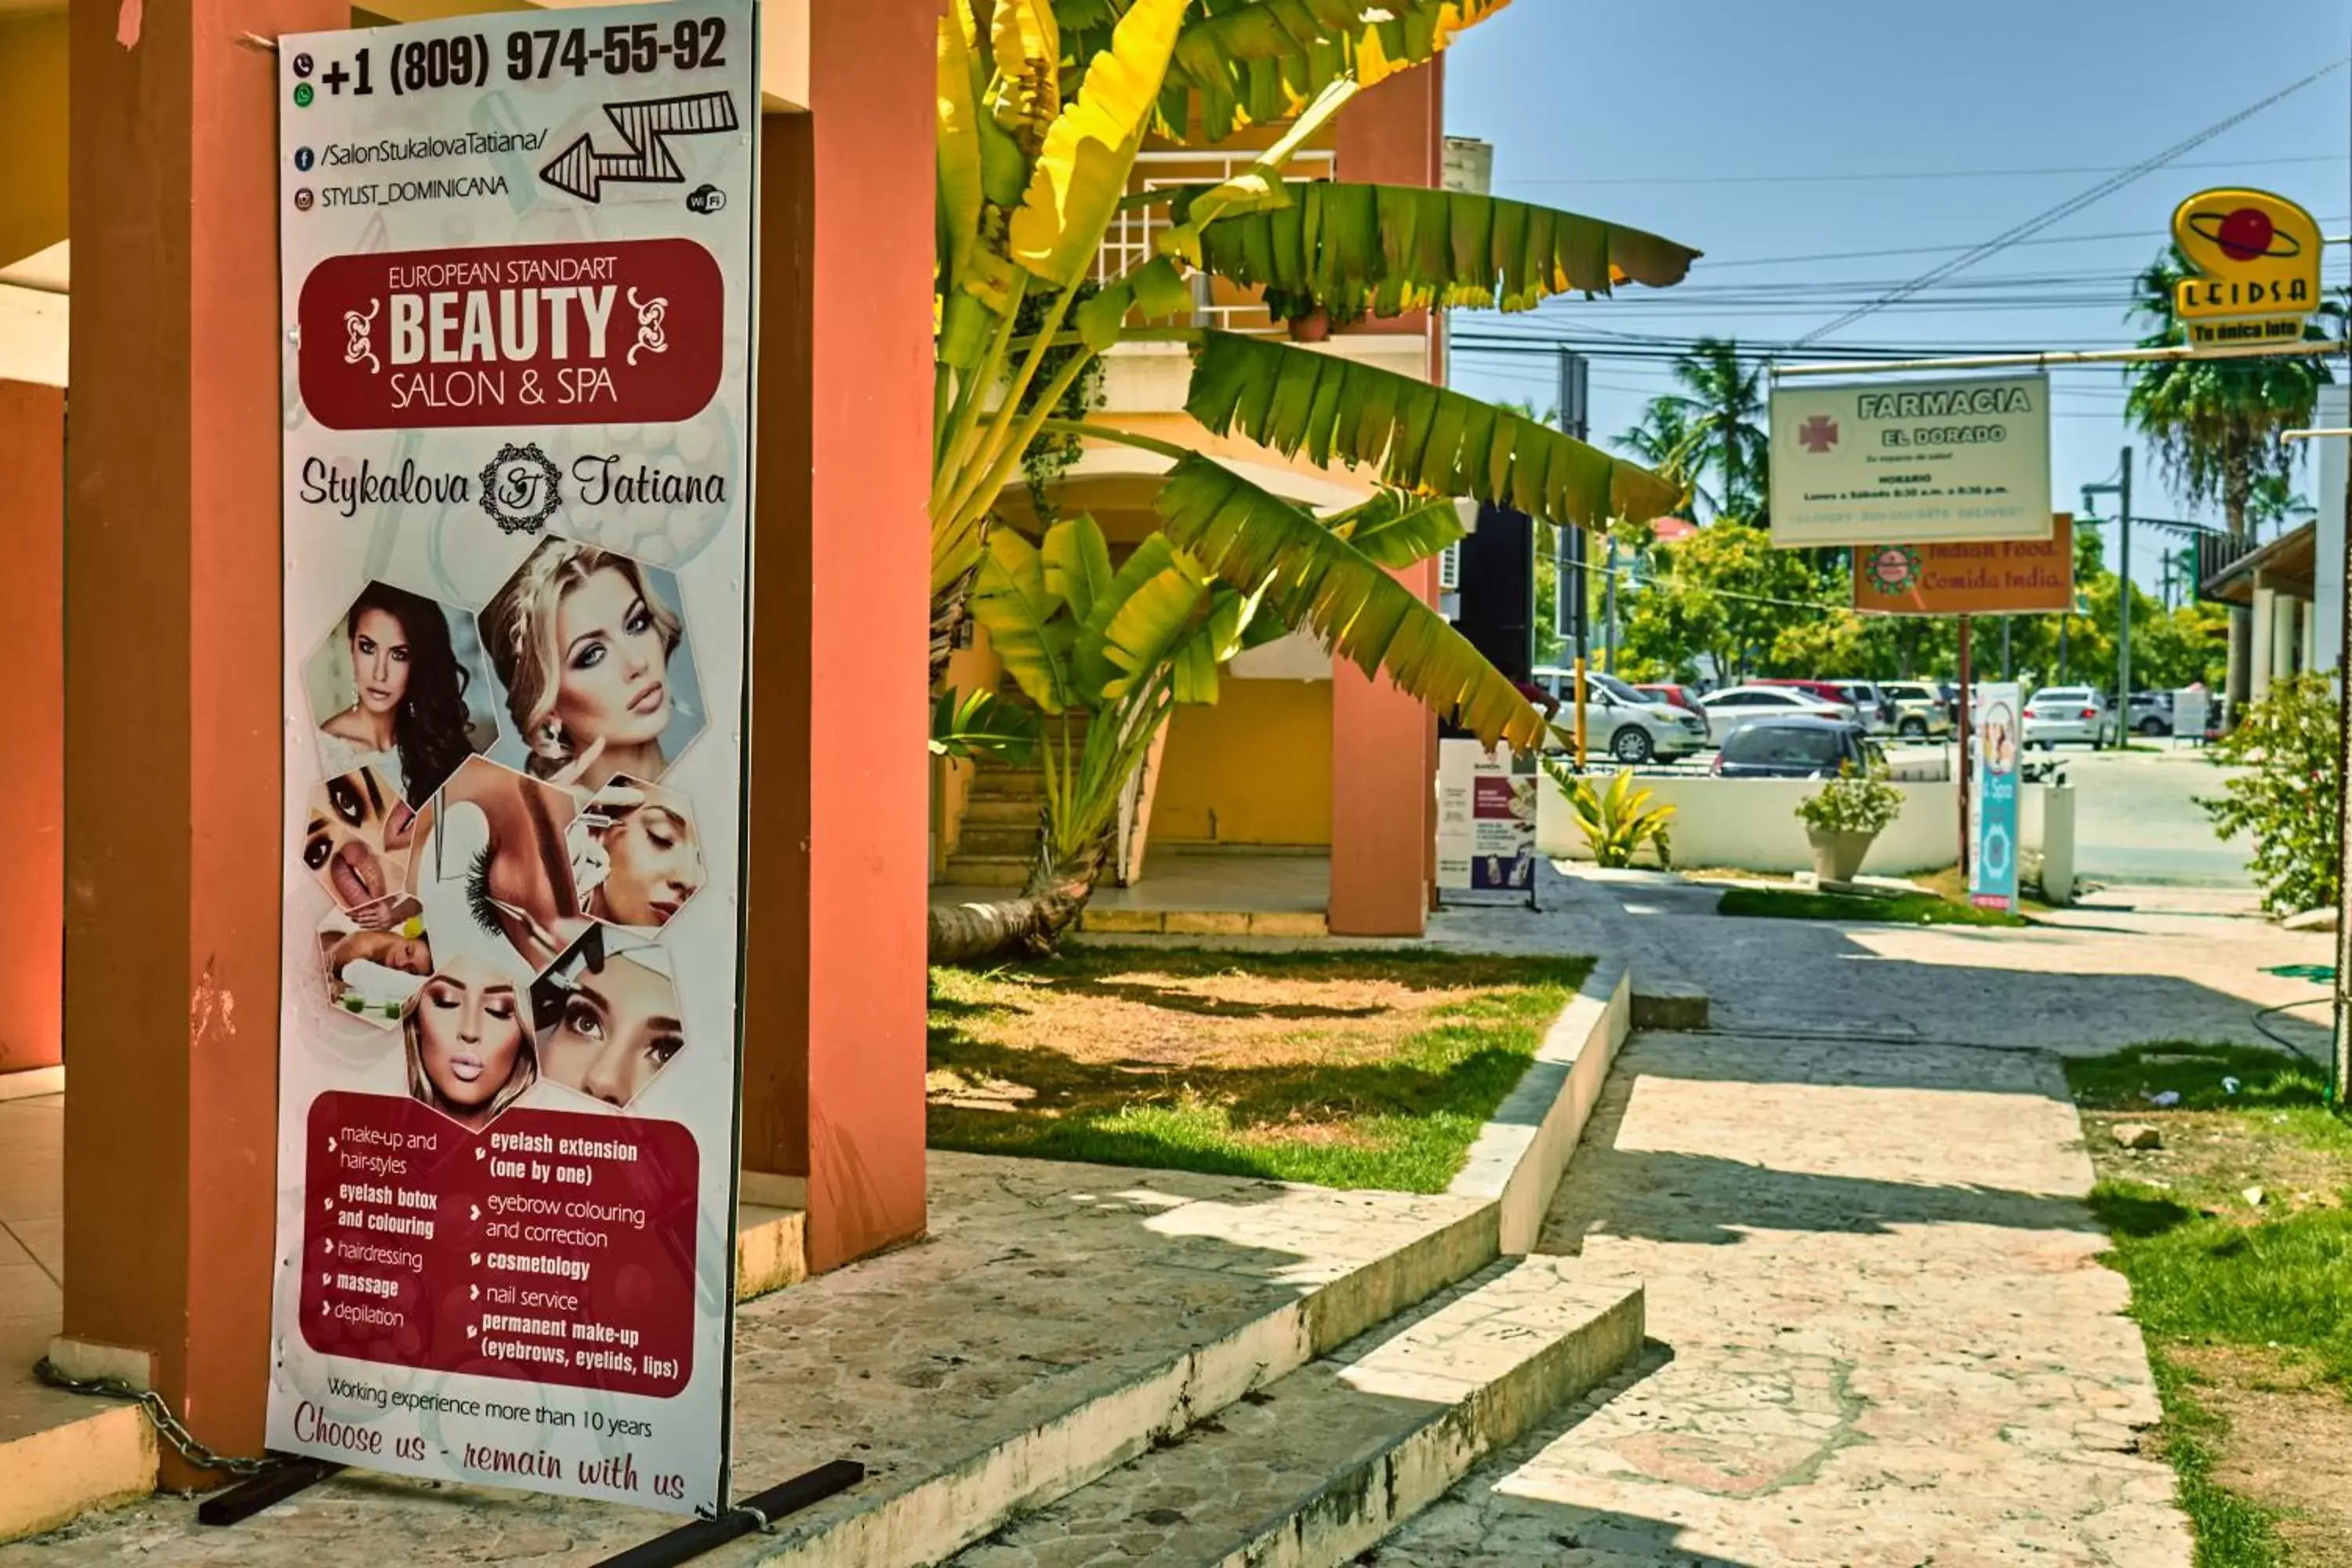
<point>1044,107</point>
<point>1618,820</point>
<point>1106,655</point>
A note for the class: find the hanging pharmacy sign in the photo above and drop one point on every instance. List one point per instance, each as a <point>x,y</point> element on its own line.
<point>2255,269</point>
<point>1922,461</point>
<point>515,280</point>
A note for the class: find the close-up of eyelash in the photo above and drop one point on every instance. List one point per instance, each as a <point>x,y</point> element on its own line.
<point>478,902</point>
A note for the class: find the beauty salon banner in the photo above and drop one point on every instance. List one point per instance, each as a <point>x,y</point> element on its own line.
<point>516,290</point>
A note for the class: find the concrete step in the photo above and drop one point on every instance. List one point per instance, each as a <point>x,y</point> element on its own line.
<point>1316,1469</point>
<point>986,871</point>
<point>1021,811</point>
<point>996,838</point>
<point>1008,784</point>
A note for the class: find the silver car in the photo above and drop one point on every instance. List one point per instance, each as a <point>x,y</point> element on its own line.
<point>1622,722</point>
<point>1736,704</point>
<point>2071,716</point>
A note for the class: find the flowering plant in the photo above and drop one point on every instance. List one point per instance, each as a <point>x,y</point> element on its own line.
<point>1855,801</point>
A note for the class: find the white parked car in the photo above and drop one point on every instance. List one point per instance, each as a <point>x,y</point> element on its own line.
<point>1919,712</point>
<point>2071,715</point>
<point>1735,705</point>
<point>1629,726</point>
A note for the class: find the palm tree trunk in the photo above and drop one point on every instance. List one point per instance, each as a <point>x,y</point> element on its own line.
<point>1025,926</point>
<point>2237,486</point>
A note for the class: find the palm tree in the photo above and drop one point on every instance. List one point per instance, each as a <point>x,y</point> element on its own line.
<point>2217,425</point>
<point>1668,443</point>
<point>1718,415</point>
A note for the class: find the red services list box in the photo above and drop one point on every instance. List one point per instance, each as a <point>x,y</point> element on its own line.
<point>550,1246</point>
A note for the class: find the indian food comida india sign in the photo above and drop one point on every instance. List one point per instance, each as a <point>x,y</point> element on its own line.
<point>1921,461</point>
<point>2256,261</point>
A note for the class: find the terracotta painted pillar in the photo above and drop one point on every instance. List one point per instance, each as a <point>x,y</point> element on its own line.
<point>173,857</point>
<point>32,715</point>
<point>834,997</point>
<point>1383,748</point>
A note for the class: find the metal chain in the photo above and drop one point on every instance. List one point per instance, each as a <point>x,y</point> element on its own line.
<point>167,1426</point>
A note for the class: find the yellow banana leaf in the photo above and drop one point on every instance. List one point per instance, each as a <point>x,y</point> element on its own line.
<point>1314,579</point>
<point>1027,94</point>
<point>1426,438</point>
<point>1357,249</point>
<point>1031,637</point>
<point>1081,173</point>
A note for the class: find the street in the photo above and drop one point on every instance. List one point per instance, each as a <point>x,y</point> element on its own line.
<point>2136,820</point>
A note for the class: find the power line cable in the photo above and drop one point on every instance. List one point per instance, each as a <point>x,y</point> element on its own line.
<point>1912,174</point>
<point>2073,205</point>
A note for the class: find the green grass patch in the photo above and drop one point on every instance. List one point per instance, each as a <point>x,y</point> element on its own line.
<point>1897,908</point>
<point>2209,1268</point>
<point>1346,1069</point>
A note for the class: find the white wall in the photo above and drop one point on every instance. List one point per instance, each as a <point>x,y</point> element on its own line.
<point>1751,825</point>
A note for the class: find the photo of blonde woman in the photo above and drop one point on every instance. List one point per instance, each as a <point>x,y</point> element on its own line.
<point>589,648</point>
<point>471,1052</point>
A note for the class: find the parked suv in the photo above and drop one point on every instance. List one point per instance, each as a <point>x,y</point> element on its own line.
<point>2150,714</point>
<point>1871,702</point>
<point>1920,710</point>
<point>1626,725</point>
<point>1795,747</point>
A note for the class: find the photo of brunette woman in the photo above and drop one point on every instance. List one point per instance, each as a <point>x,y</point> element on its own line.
<point>609,1018</point>
<point>492,865</point>
<point>393,665</point>
<point>469,1037</point>
<point>636,856</point>
<point>589,647</point>
<point>353,842</point>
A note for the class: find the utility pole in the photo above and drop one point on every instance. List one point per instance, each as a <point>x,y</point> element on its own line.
<point>1570,596</point>
<point>2123,597</point>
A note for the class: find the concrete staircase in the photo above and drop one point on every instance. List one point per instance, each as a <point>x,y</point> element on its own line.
<point>1317,1467</point>
<point>1000,815</point>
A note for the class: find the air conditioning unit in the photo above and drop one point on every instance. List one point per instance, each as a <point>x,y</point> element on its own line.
<point>1449,569</point>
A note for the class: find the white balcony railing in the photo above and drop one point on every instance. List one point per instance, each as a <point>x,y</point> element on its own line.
<point>1127,244</point>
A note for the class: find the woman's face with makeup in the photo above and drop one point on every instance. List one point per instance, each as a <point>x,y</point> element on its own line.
<point>354,818</point>
<point>612,679</point>
<point>468,1028</point>
<point>656,864</point>
<point>380,660</point>
<point>618,1027</point>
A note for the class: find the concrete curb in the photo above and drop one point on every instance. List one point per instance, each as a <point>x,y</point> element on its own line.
<point>1518,1157</point>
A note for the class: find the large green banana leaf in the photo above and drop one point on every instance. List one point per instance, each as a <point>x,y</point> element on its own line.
<point>1081,172</point>
<point>1397,527</point>
<point>1032,639</point>
<point>1312,577</point>
<point>1357,249</point>
<point>1257,61</point>
<point>1426,438</point>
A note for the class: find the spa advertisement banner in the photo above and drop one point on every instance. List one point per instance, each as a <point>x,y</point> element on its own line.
<point>517,271</point>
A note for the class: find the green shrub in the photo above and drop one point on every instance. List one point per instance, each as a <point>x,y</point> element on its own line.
<point>1854,801</point>
<point>1616,821</point>
<point>2291,744</point>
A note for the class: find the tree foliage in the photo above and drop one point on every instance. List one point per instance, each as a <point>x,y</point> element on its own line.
<point>2290,744</point>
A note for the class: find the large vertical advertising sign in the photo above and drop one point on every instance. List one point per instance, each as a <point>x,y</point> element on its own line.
<point>1992,780</point>
<point>516,290</point>
<point>1486,818</point>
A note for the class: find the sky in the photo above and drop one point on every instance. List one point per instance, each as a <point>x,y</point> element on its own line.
<point>1774,137</point>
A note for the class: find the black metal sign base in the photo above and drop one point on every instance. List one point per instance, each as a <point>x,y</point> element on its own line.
<point>756,1512</point>
<point>240,1502</point>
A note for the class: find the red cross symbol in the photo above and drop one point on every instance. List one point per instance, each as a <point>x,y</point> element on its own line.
<point>1817,433</point>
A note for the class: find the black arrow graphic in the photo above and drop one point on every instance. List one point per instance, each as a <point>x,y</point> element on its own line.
<point>582,170</point>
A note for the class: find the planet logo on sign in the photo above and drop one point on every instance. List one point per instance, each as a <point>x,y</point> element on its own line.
<point>2254,269</point>
<point>2245,234</point>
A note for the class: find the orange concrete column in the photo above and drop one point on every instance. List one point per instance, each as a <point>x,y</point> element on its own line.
<point>833,1042</point>
<point>172,851</point>
<point>32,715</point>
<point>1384,775</point>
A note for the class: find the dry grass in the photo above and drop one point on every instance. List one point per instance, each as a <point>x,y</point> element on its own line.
<point>1370,1069</point>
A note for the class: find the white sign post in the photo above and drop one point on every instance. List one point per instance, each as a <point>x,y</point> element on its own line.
<point>1917,462</point>
<point>517,284</point>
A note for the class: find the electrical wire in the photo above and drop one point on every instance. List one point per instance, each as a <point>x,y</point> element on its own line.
<point>2072,206</point>
<point>1911,175</point>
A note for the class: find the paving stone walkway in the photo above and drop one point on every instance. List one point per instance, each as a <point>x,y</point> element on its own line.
<point>1879,1334</point>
